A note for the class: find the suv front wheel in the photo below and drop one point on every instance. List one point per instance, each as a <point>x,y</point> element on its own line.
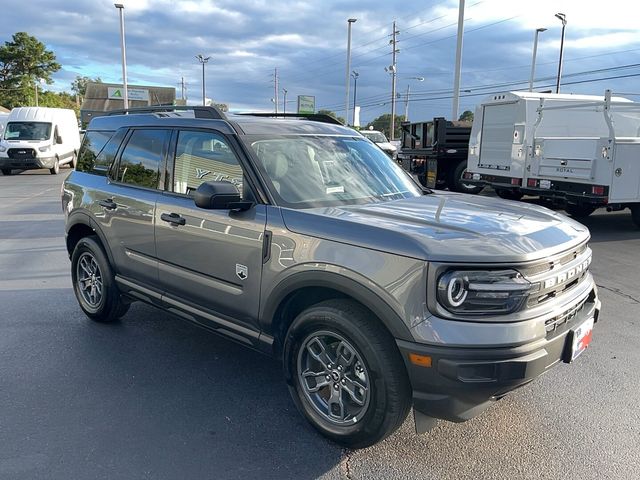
<point>94,283</point>
<point>345,373</point>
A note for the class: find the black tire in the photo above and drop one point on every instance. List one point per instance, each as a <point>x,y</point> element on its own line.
<point>56,167</point>
<point>579,211</point>
<point>508,194</point>
<point>635,214</point>
<point>109,306</point>
<point>457,182</point>
<point>7,171</point>
<point>376,364</point>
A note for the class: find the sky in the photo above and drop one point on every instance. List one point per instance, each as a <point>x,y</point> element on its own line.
<point>306,41</point>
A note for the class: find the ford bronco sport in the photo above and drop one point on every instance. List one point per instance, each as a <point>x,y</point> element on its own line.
<point>301,239</point>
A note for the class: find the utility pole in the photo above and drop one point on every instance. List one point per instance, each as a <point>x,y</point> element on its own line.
<point>182,87</point>
<point>393,81</point>
<point>456,80</point>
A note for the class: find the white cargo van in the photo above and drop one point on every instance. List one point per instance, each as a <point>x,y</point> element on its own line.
<point>502,136</point>
<point>39,137</point>
<point>3,122</point>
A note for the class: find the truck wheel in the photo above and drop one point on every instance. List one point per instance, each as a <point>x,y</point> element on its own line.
<point>56,167</point>
<point>94,284</point>
<point>457,182</point>
<point>7,171</point>
<point>579,211</point>
<point>508,194</point>
<point>345,373</point>
<point>635,214</point>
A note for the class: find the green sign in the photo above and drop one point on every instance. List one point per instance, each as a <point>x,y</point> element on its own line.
<point>306,104</point>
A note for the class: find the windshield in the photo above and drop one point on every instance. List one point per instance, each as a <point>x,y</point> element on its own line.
<point>376,137</point>
<point>27,131</point>
<point>317,171</point>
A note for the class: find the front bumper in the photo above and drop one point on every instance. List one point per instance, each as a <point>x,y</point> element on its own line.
<point>27,163</point>
<point>463,382</point>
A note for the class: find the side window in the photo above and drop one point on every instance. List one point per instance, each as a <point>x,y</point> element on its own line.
<point>88,158</point>
<point>203,157</point>
<point>141,158</point>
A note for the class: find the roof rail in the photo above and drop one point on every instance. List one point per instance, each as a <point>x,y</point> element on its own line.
<point>210,112</point>
<point>314,117</point>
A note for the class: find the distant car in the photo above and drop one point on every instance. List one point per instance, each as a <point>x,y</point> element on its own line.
<point>381,140</point>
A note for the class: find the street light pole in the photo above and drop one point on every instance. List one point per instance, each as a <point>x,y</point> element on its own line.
<point>355,76</point>
<point>123,47</point>
<point>563,18</point>
<point>456,78</point>
<point>348,80</point>
<point>203,60</point>
<point>284,101</point>
<point>533,60</point>
<point>406,99</point>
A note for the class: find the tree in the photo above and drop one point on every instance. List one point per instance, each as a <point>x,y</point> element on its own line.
<point>383,123</point>
<point>23,61</point>
<point>79,85</point>
<point>331,114</point>
<point>467,116</point>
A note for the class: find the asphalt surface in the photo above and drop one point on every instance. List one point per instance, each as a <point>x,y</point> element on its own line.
<point>155,397</point>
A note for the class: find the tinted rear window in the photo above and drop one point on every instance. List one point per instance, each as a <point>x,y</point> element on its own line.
<point>89,158</point>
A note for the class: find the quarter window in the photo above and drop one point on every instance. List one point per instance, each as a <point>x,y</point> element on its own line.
<point>141,159</point>
<point>204,157</point>
<point>92,145</point>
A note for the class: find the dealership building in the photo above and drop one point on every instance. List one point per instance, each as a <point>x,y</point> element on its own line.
<point>102,97</point>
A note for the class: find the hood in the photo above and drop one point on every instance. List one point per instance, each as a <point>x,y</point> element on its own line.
<point>445,226</point>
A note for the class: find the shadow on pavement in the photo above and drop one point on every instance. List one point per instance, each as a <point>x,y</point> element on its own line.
<point>151,394</point>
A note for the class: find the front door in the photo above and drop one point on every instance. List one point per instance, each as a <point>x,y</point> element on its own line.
<point>213,261</point>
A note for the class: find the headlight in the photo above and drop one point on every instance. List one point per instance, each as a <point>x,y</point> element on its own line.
<point>46,148</point>
<point>3,149</point>
<point>477,292</point>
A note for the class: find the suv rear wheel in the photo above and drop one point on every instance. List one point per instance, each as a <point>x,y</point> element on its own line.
<point>94,284</point>
<point>345,373</point>
<point>7,171</point>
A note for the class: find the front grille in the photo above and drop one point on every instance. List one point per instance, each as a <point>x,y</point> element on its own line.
<point>21,153</point>
<point>558,275</point>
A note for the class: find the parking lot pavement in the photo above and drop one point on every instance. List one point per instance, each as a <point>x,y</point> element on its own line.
<point>155,397</point>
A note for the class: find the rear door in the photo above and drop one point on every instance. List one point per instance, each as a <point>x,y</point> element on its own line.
<point>213,262</point>
<point>128,200</point>
<point>497,136</point>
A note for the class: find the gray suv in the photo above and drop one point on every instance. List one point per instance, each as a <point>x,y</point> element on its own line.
<point>300,238</point>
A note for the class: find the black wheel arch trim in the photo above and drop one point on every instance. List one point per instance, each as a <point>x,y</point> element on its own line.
<point>80,217</point>
<point>349,287</point>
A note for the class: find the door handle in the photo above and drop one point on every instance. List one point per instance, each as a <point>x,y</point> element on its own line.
<point>173,218</point>
<point>108,203</point>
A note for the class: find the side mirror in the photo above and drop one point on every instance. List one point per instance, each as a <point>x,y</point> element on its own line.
<point>59,140</point>
<point>219,196</point>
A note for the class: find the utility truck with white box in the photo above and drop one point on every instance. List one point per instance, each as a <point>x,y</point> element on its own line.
<point>39,137</point>
<point>589,160</point>
<point>501,143</point>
